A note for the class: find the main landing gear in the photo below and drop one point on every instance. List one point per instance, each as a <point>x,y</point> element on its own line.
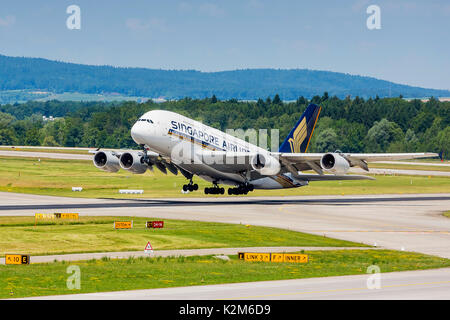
<point>215,190</point>
<point>242,189</point>
<point>190,187</point>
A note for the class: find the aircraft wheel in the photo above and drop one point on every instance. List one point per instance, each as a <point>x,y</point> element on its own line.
<point>230,191</point>
<point>222,190</point>
<point>195,187</point>
<point>185,187</point>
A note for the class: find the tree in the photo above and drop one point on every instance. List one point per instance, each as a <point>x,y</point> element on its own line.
<point>443,141</point>
<point>381,134</point>
<point>327,141</point>
<point>32,137</point>
<point>260,102</point>
<point>410,141</point>
<point>422,121</point>
<point>430,138</point>
<point>50,141</point>
<point>301,101</point>
<point>316,99</point>
<point>213,99</point>
<point>6,119</point>
<point>277,100</point>
<point>73,132</point>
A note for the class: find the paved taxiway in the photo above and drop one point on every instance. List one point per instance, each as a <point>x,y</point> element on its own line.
<point>427,284</point>
<point>177,253</point>
<point>32,154</point>
<point>445,163</point>
<point>407,172</point>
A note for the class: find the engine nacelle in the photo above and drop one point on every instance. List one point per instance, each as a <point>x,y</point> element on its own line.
<point>335,163</point>
<point>265,164</point>
<point>134,162</point>
<point>106,161</point>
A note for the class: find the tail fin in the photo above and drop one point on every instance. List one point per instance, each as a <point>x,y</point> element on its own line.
<point>298,139</point>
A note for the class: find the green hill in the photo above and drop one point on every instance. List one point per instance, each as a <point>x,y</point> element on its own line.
<point>18,73</point>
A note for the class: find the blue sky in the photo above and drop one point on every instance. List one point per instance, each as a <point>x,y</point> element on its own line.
<point>412,46</point>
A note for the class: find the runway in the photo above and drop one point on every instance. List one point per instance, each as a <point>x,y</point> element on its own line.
<point>428,284</point>
<point>408,222</point>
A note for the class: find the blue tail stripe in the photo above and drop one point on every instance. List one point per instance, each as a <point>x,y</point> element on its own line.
<point>298,139</point>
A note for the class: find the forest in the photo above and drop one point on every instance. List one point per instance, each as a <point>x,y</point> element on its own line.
<point>349,125</point>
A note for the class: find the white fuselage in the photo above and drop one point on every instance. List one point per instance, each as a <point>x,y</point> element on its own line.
<point>167,132</point>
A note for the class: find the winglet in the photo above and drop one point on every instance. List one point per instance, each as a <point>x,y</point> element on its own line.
<point>298,139</point>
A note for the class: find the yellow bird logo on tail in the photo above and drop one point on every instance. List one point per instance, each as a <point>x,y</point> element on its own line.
<point>298,136</point>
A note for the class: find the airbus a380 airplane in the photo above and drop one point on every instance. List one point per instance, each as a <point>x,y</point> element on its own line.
<point>176,143</point>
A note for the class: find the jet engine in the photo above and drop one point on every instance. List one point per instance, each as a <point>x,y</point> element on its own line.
<point>335,163</point>
<point>265,164</point>
<point>134,162</point>
<point>106,161</point>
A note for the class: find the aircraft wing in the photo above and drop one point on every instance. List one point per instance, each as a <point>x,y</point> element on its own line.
<point>368,157</point>
<point>312,160</point>
<point>235,162</point>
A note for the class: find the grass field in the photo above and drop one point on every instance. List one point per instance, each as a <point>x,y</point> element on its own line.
<point>57,177</point>
<point>96,234</point>
<point>447,214</point>
<point>145,273</point>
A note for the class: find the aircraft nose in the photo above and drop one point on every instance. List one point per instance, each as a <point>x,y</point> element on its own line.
<point>138,133</point>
